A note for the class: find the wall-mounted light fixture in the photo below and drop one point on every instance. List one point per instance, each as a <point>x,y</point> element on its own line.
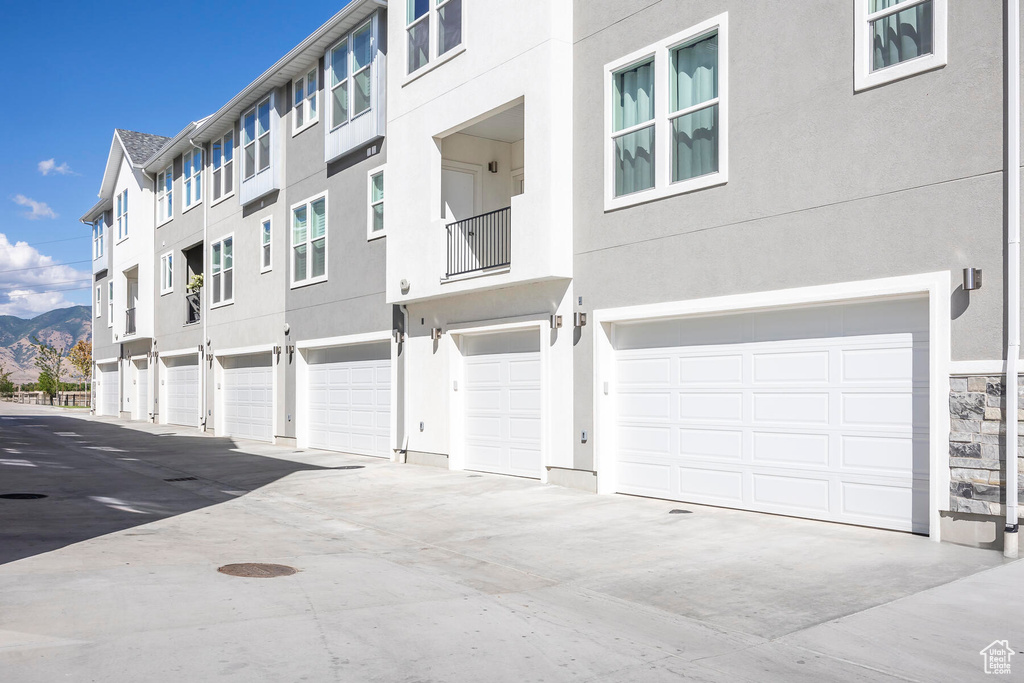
<point>277,351</point>
<point>556,321</point>
<point>492,166</point>
<point>397,335</point>
<point>435,333</point>
<point>972,279</point>
<point>579,319</point>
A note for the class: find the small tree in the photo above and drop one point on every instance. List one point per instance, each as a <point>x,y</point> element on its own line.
<point>81,360</point>
<point>50,362</point>
<point>6,385</point>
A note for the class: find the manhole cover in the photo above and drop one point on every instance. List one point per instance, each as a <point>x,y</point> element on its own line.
<point>181,479</point>
<point>350,467</point>
<point>22,496</point>
<point>680,511</point>
<point>256,570</point>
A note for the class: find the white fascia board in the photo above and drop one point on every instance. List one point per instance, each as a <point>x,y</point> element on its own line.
<point>245,350</point>
<point>178,353</point>
<point>344,340</point>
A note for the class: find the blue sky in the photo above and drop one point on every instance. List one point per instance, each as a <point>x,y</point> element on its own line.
<point>71,73</point>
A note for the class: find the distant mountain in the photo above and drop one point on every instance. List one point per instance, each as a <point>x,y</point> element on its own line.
<point>60,327</point>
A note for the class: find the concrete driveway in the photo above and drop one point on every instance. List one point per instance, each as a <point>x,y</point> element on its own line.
<point>409,573</point>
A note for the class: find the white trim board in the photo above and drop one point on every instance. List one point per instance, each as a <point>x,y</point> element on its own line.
<point>977,367</point>
<point>176,353</point>
<point>344,340</point>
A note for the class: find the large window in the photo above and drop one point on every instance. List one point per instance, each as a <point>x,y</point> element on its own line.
<point>375,202</point>
<point>164,195</point>
<point>97,238</point>
<point>222,271</point>
<point>265,244</point>
<point>167,273</point>
<point>192,177</point>
<point>223,166</point>
<point>440,18</point>
<point>897,38</point>
<point>350,70</point>
<point>305,93</point>
<point>256,139</point>
<point>309,241</point>
<point>666,117</point>
<point>122,214</point>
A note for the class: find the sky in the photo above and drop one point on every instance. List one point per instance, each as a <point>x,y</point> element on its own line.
<point>72,72</point>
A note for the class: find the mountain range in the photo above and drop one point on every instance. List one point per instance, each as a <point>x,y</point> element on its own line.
<point>62,327</point>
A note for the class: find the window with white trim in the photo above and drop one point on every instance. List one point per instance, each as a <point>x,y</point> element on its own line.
<point>192,178</point>
<point>97,237</point>
<point>896,39</point>
<point>265,244</point>
<point>222,272</point>
<point>445,16</point>
<point>223,166</point>
<point>305,94</point>
<point>375,202</point>
<point>122,214</point>
<point>666,117</point>
<point>98,307</point>
<point>167,273</point>
<point>309,241</point>
<point>164,195</point>
<point>110,304</point>
<point>256,139</point>
<point>350,75</point>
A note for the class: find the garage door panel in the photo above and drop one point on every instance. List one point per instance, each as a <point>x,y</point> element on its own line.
<point>884,454</point>
<point>655,440</point>
<point>484,456</point>
<point>524,399</point>
<point>645,371</point>
<point>248,393</point>
<point>877,503</point>
<point>801,493</point>
<point>482,372</point>
<point>712,486</point>
<point>181,384</point>
<point>483,399</point>
<point>649,406</point>
<point>525,461</point>
<point>878,410</point>
<point>886,365</point>
<point>709,443</point>
<point>715,370</point>
<point>799,367</point>
<point>708,407</point>
<point>791,408</point>
<point>645,478</point>
<point>527,429</point>
<point>352,412</point>
<point>778,448</point>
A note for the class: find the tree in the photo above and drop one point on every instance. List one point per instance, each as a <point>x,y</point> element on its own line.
<point>50,362</point>
<point>81,359</point>
<point>6,385</point>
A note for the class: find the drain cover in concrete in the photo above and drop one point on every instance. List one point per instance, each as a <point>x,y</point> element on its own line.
<point>257,570</point>
<point>350,467</point>
<point>22,496</point>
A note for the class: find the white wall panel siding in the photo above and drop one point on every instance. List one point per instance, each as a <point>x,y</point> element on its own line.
<point>248,397</point>
<point>350,402</point>
<point>833,426</point>
<point>181,391</point>
<point>108,392</point>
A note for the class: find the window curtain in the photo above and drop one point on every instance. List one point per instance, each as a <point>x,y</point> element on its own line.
<point>695,135</point>
<point>634,104</point>
<point>901,36</point>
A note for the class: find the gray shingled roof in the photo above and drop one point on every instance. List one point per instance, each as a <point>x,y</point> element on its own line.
<point>140,146</point>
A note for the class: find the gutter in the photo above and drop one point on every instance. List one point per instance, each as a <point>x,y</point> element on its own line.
<point>1013,299</point>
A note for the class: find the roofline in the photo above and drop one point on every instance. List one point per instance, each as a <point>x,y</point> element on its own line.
<point>184,136</point>
<point>96,208</point>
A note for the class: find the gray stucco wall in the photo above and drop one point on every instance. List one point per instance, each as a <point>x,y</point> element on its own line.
<point>825,185</point>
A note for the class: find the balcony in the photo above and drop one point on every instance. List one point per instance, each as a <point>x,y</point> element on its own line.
<point>129,322</point>
<point>193,308</point>
<point>479,243</point>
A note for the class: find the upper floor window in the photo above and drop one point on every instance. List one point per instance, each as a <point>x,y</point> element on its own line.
<point>256,139</point>
<point>167,273</point>
<point>192,178</point>
<point>110,304</point>
<point>305,111</point>
<point>98,308</point>
<point>265,242</point>
<point>122,214</point>
<point>164,195</point>
<point>222,268</point>
<point>446,16</point>
<point>351,75</point>
<point>666,117</point>
<point>309,241</point>
<point>897,38</point>
<point>223,166</point>
<point>375,202</point>
<point>97,238</point>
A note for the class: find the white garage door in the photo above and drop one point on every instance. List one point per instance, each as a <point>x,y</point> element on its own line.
<point>248,390</point>
<point>141,390</point>
<point>107,392</point>
<point>181,391</point>
<point>813,412</point>
<point>503,403</point>
<point>350,399</point>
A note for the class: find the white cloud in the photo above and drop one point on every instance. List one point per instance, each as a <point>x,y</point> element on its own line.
<point>48,166</point>
<point>36,210</point>
<point>28,280</point>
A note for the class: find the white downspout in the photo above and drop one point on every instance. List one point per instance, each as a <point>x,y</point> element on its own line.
<point>1013,123</point>
<point>404,453</point>
<point>202,309</point>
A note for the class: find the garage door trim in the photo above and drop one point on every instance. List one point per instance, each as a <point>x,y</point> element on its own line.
<point>934,286</point>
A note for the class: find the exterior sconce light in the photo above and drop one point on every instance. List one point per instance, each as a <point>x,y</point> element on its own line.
<point>200,349</point>
<point>277,350</point>
<point>397,335</point>
<point>492,166</point>
<point>291,349</point>
<point>579,319</point>
<point>972,279</point>
<point>435,334</point>
<point>556,321</point>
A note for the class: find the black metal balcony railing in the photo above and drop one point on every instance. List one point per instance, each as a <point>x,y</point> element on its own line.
<point>192,308</point>
<point>480,242</point>
<point>129,322</point>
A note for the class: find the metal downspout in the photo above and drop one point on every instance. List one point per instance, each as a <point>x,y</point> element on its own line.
<point>203,390</point>
<point>1013,122</point>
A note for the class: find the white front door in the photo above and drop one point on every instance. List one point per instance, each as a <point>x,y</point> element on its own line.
<point>141,409</point>
<point>181,391</point>
<point>349,398</point>
<point>248,397</point>
<point>812,412</point>
<point>108,390</point>
<point>503,424</point>
<point>458,192</point>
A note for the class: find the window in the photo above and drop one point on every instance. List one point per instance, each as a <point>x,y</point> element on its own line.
<point>122,215</point>
<point>192,178</point>
<point>110,304</point>
<point>666,117</point>
<point>164,195</point>
<point>256,139</point>
<point>375,217</point>
<point>223,166</point>
<point>305,112</point>
<point>351,75</point>
<point>97,238</point>
<point>896,39</point>
<point>446,15</point>
<point>265,241</point>
<point>167,273</point>
<point>98,308</point>
<point>309,241</point>
<point>222,269</point>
